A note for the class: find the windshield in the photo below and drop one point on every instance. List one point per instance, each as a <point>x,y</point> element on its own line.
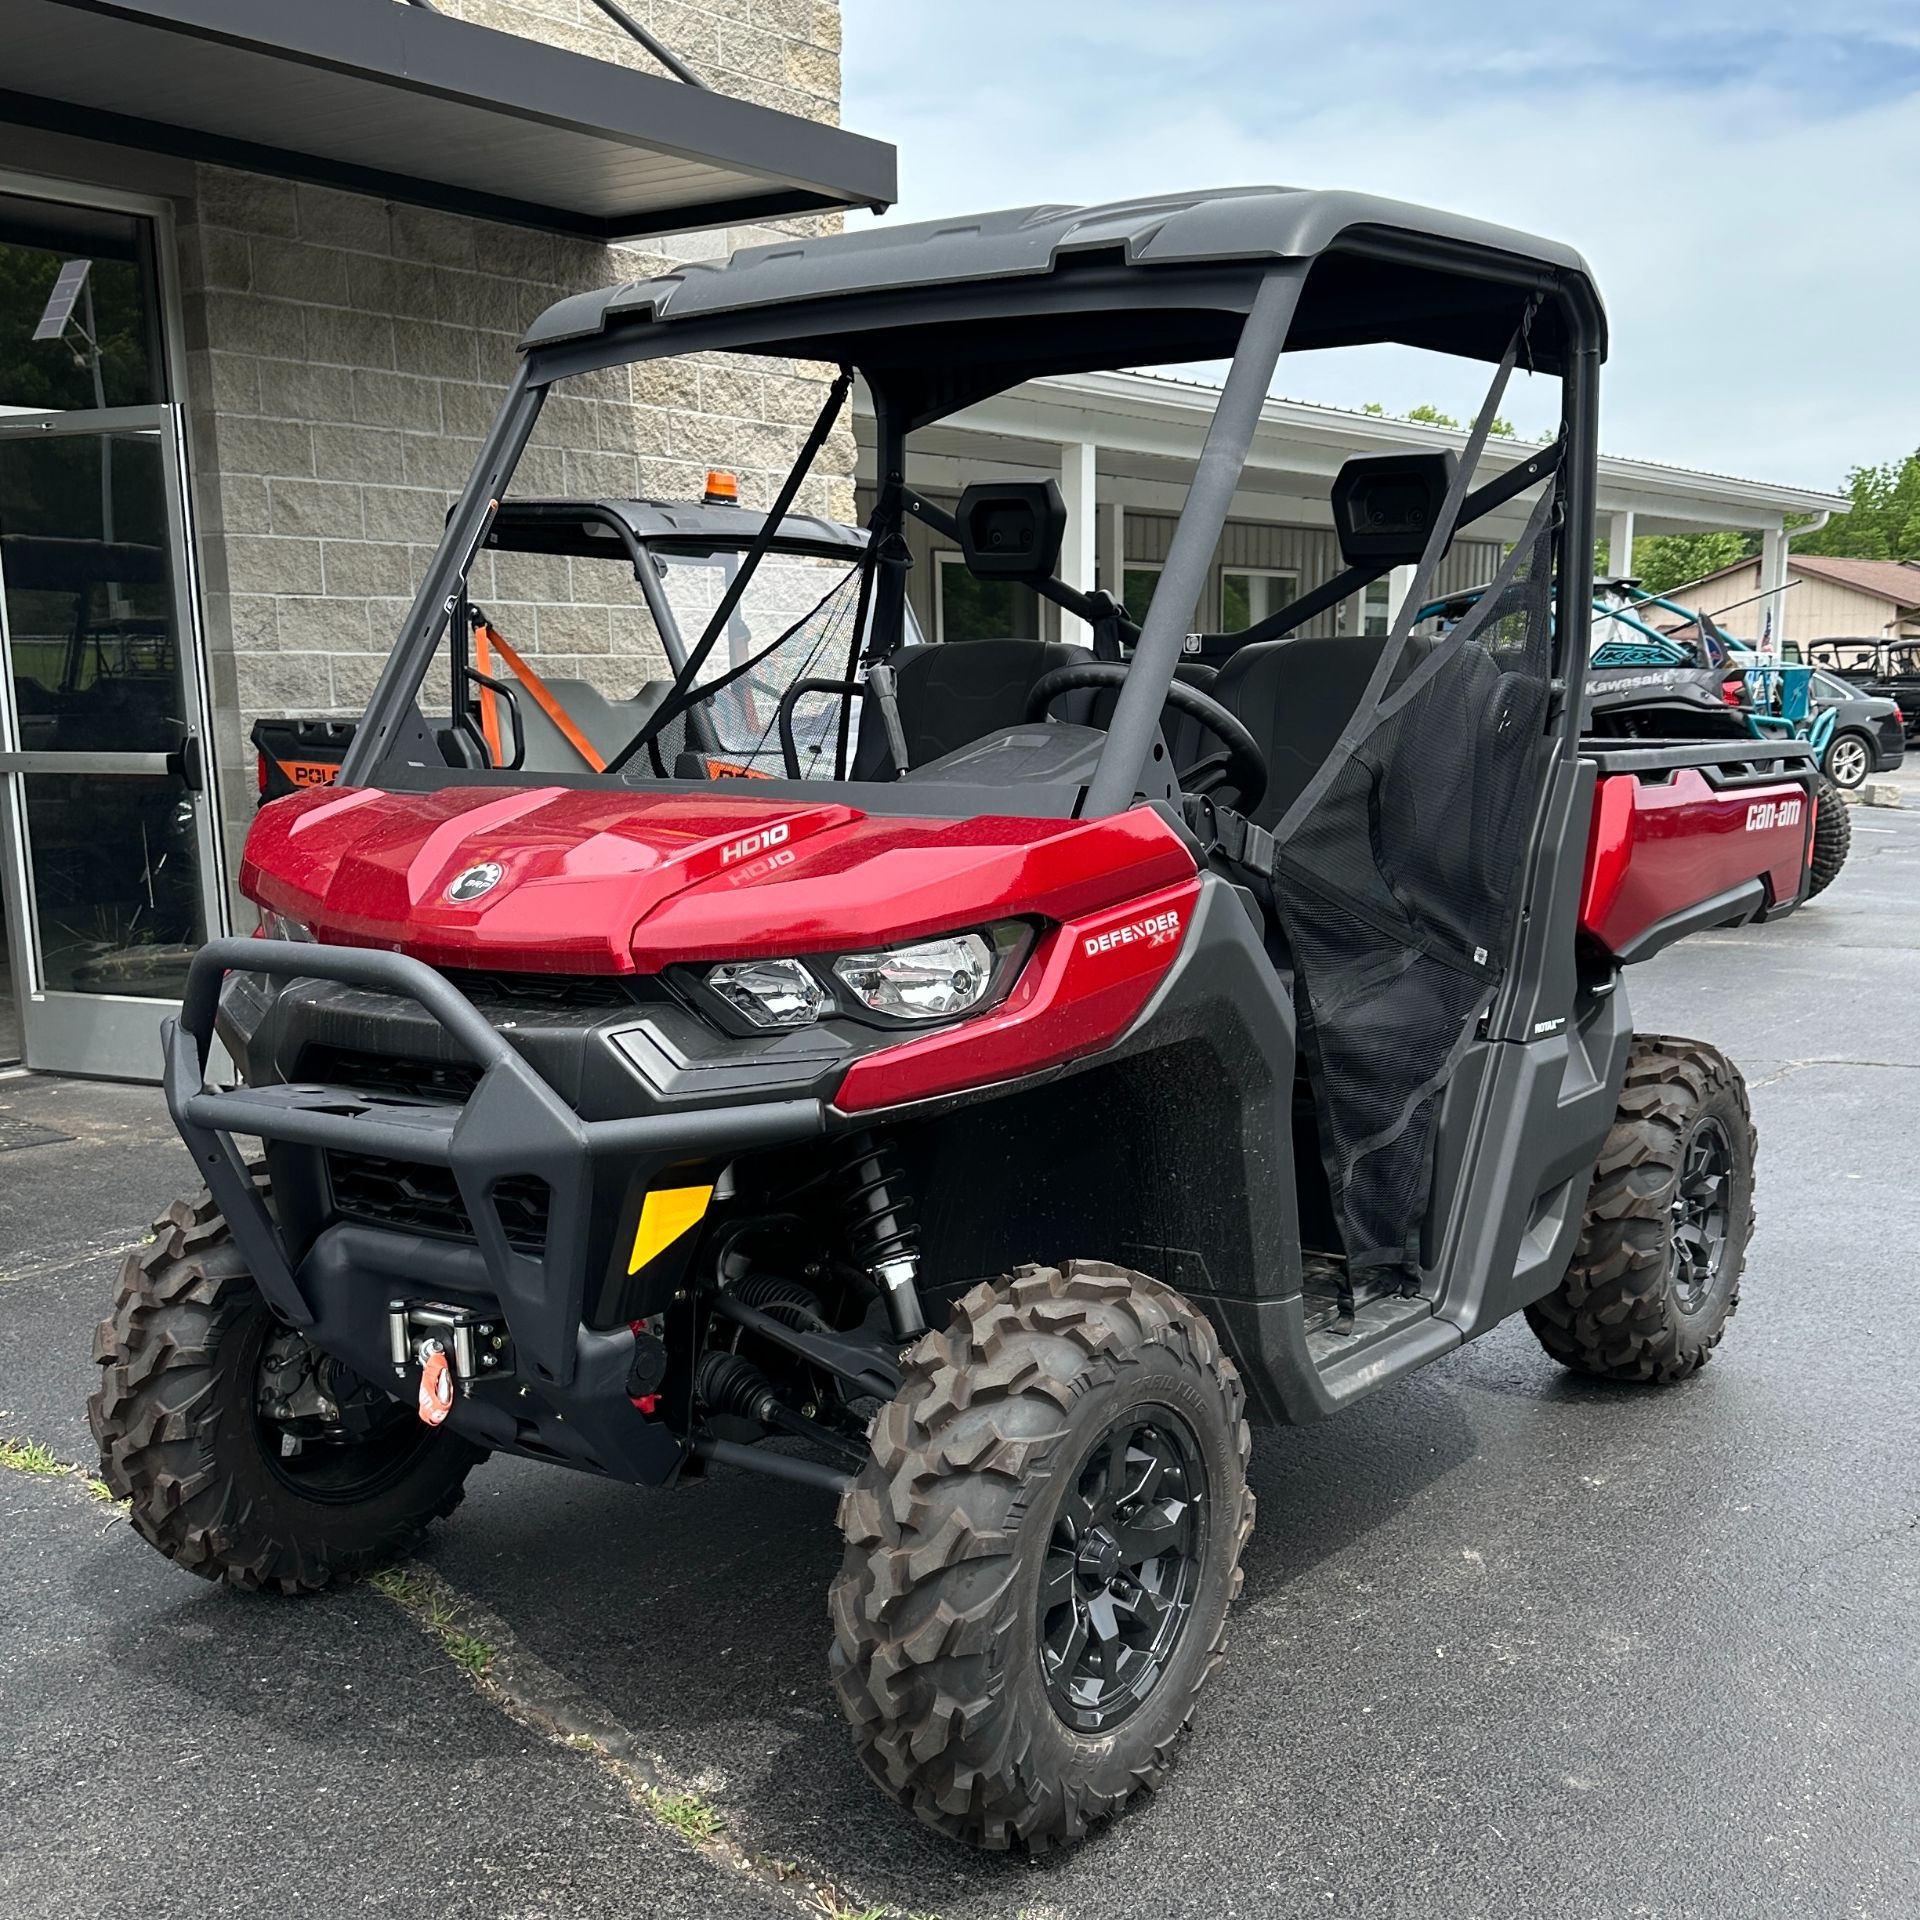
<point>794,622</point>
<point>572,657</point>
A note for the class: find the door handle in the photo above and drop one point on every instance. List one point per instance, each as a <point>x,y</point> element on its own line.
<point>188,764</point>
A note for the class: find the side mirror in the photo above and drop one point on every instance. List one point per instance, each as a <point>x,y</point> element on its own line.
<point>1012,529</point>
<point>1385,504</point>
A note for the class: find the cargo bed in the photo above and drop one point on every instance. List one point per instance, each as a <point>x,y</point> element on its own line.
<point>1692,834</point>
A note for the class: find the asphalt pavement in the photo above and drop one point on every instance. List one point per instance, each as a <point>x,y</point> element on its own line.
<point>1512,1644</point>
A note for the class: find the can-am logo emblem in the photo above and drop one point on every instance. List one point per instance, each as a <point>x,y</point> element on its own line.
<point>476,881</point>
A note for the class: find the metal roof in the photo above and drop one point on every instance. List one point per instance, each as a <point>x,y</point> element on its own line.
<point>414,106</point>
<point>1184,230</point>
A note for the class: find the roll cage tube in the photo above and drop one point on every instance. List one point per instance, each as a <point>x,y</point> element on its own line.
<point>1136,714</point>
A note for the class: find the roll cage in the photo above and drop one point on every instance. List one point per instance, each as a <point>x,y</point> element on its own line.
<point>934,320</point>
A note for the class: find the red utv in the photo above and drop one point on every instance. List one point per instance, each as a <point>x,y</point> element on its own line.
<point>974,1079</point>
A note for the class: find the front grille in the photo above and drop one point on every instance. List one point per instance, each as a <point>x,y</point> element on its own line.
<point>414,1199</point>
<point>555,992</point>
<point>393,1074</point>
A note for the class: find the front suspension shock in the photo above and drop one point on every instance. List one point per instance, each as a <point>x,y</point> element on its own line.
<point>881,1234</point>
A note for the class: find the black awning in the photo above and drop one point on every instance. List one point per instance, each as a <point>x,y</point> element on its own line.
<point>410,105</point>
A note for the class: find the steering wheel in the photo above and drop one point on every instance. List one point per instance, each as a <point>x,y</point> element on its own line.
<point>1243,766</point>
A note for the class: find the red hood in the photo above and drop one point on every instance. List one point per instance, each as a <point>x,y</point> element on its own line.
<point>607,882</point>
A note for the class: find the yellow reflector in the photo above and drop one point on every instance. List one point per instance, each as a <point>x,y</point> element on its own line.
<point>666,1215</point>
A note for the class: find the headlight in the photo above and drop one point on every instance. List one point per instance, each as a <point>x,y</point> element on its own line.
<point>276,926</point>
<point>770,993</point>
<point>931,980</point>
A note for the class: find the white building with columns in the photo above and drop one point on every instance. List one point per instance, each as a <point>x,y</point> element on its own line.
<point>1125,444</point>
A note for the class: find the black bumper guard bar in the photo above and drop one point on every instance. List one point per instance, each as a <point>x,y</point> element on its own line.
<point>513,1123</point>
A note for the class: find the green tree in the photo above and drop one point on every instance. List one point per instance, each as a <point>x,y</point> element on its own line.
<point>1663,561</point>
<point>1884,520</point>
<point>1428,415</point>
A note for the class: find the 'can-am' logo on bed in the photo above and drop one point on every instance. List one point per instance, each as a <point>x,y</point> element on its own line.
<point>755,843</point>
<point>1156,931</point>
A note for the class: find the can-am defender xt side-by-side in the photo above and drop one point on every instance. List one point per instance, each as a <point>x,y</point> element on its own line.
<point>979,1077</point>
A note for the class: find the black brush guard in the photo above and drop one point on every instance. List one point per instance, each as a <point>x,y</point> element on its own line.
<point>512,1125</point>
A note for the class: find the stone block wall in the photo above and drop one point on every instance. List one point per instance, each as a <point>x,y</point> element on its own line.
<point>345,355</point>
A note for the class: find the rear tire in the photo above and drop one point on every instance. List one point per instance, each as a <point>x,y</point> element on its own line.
<point>1849,759</point>
<point>1832,835</point>
<point>1656,1275</point>
<point>1006,1675</point>
<point>181,1437</point>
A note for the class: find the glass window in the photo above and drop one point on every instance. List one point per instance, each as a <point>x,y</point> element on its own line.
<point>1249,595</point>
<point>972,609</point>
<point>1376,607</point>
<point>116,882</point>
<point>1136,590</point>
<point>98,325</point>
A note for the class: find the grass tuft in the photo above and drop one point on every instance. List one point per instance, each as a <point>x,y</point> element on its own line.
<point>470,1651</point>
<point>687,1814</point>
<point>419,1598</point>
<point>30,1456</point>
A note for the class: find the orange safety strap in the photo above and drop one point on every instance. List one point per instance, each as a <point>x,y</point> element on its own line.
<point>543,698</point>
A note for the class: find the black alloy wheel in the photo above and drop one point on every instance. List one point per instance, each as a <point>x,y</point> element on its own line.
<point>323,1431</point>
<point>1701,1215</point>
<point>1122,1567</point>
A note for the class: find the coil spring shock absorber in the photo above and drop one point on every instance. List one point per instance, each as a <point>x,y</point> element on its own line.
<point>880,1231</point>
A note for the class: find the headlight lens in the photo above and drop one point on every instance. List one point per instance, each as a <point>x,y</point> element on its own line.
<point>770,993</point>
<point>276,926</point>
<point>931,980</point>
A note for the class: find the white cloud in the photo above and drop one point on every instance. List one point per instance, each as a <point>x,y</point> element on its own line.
<point>1740,184</point>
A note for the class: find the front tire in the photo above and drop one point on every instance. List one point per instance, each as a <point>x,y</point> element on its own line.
<point>189,1358</point>
<point>1832,835</point>
<point>1656,1275</point>
<point>1040,1555</point>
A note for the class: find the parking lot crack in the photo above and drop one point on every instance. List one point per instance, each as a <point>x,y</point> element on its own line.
<point>546,1702</point>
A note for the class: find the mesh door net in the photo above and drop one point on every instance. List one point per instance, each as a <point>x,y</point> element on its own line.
<point>1396,887</point>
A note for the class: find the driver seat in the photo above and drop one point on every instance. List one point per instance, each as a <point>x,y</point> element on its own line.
<point>954,693</point>
<point>1294,696</point>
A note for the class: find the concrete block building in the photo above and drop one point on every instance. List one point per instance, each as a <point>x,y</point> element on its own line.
<point>300,243</point>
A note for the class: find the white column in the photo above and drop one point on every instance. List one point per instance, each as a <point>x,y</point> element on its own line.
<point>1620,543</point>
<point>1077,552</point>
<point>1399,585</point>
<point>1773,576</point>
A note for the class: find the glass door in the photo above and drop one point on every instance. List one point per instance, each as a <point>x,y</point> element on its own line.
<point>108,862</point>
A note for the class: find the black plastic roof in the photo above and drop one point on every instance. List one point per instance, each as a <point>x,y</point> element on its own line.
<point>578,527</point>
<point>414,106</point>
<point>1219,228</point>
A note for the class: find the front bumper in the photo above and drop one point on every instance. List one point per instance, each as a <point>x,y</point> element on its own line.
<point>567,1394</point>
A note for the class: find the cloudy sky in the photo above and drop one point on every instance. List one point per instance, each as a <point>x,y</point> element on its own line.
<point>1742,176</point>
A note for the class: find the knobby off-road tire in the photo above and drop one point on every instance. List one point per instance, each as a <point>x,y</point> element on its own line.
<point>1648,1295</point>
<point>978,1471</point>
<point>174,1416</point>
<point>1832,835</point>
